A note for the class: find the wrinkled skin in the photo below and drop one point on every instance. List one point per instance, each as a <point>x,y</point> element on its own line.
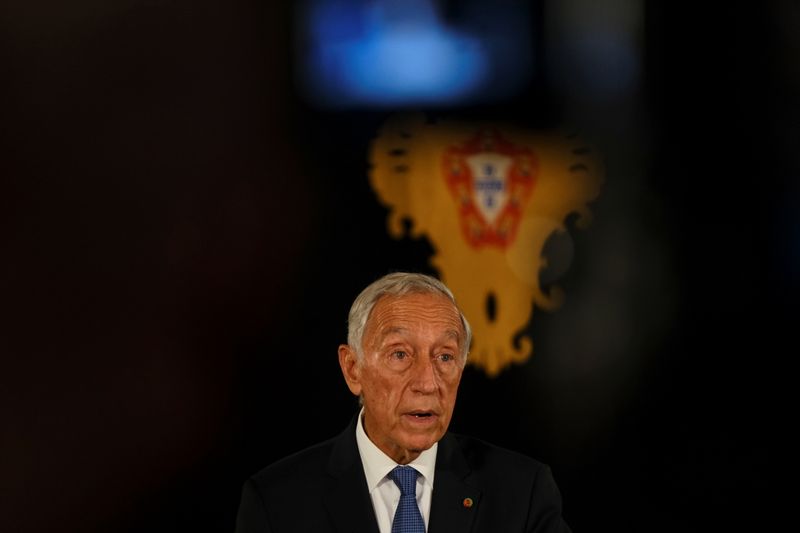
<point>410,372</point>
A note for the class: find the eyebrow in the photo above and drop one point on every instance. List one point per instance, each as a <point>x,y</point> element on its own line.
<point>453,333</point>
<point>389,331</point>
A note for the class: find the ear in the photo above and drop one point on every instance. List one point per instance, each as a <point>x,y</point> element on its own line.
<point>348,361</point>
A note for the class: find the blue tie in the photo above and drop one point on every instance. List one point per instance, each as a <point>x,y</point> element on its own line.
<point>407,518</point>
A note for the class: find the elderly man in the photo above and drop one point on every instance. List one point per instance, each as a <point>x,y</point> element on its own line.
<point>396,468</point>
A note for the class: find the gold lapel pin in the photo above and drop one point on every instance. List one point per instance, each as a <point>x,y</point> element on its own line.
<point>468,503</point>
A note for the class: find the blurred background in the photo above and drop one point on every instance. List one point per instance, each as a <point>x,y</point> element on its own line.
<point>185,218</point>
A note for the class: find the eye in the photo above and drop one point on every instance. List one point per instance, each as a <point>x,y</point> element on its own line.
<point>399,360</point>
<point>445,357</point>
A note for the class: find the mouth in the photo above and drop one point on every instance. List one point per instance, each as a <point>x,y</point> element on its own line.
<point>421,416</point>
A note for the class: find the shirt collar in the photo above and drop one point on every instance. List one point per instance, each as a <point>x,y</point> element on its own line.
<point>377,464</point>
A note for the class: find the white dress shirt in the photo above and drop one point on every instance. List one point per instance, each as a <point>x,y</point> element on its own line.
<point>384,492</point>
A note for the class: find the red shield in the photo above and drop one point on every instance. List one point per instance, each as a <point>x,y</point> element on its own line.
<point>491,179</point>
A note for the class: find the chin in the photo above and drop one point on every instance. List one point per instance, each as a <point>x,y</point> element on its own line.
<point>421,443</point>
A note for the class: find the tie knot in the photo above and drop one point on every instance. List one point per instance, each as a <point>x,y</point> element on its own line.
<point>405,477</point>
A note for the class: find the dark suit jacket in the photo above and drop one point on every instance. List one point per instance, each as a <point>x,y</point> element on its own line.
<point>323,489</point>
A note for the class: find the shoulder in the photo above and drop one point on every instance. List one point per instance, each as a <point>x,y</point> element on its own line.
<point>275,495</point>
<point>516,489</point>
<point>297,467</point>
<point>479,452</point>
<point>310,464</point>
<point>492,462</point>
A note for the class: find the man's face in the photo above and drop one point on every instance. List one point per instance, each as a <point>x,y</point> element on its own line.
<point>410,372</point>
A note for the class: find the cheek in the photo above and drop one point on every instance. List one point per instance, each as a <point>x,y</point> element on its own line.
<point>449,394</point>
<point>449,383</point>
<point>379,388</point>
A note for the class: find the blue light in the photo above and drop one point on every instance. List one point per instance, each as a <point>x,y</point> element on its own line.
<point>363,53</point>
<point>423,65</point>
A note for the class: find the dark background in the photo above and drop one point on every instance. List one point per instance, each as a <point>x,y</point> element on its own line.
<point>182,235</point>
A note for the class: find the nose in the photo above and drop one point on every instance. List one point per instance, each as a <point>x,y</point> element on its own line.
<point>424,379</point>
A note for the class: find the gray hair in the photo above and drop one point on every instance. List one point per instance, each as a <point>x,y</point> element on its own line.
<point>397,284</point>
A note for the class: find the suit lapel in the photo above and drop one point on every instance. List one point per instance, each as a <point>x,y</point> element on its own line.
<point>347,497</point>
<point>455,502</point>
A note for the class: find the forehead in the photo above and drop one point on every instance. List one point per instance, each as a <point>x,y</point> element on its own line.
<point>417,312</point>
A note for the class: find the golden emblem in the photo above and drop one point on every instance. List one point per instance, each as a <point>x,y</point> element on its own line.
<point>487,196</point>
